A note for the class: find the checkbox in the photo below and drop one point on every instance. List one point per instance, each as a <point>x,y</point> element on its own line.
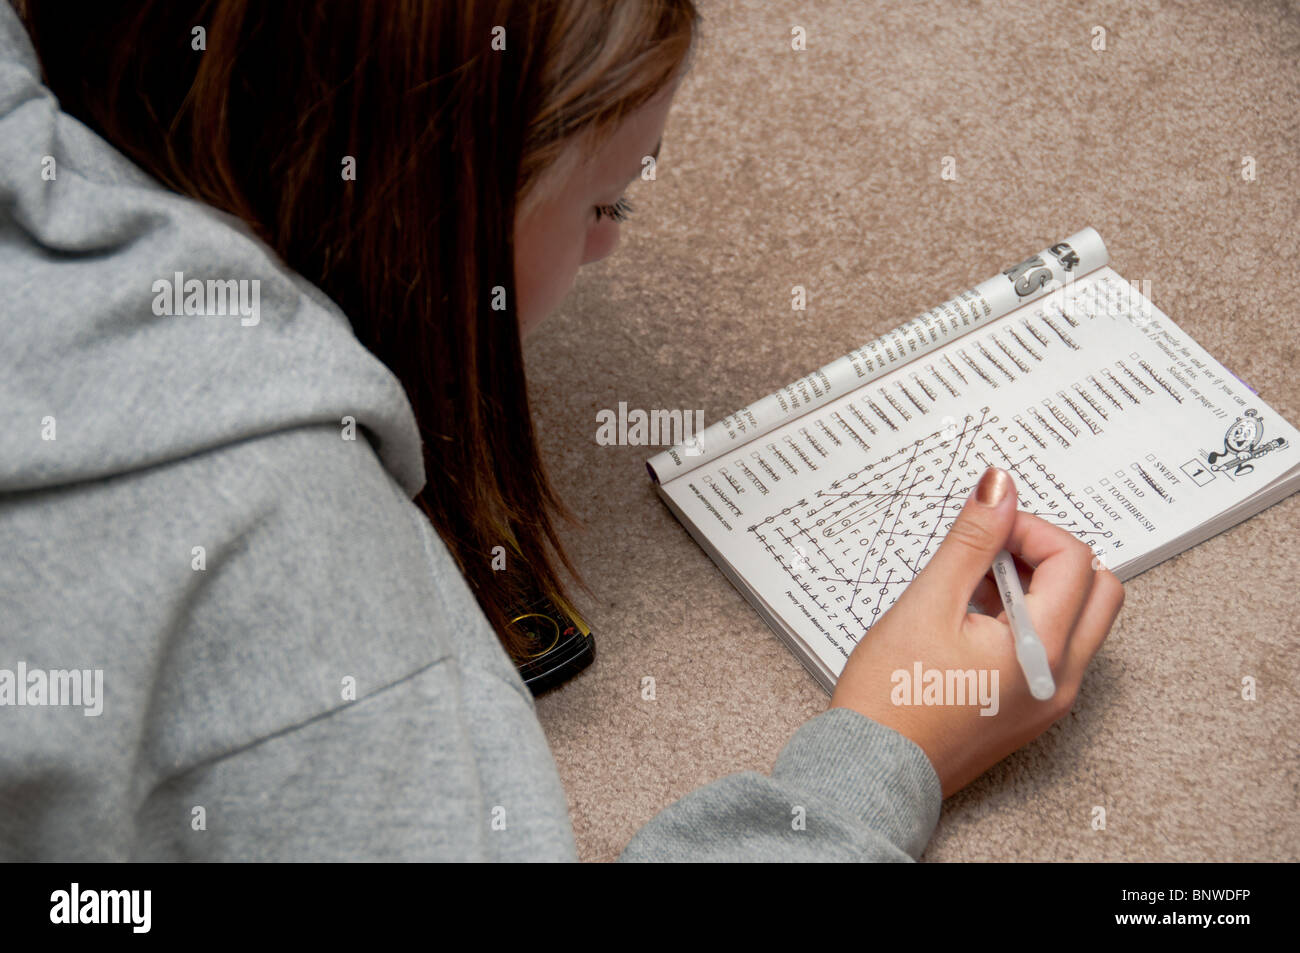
<point>1198,471</point>
<point>1120,474</point>
<point>1151,458</point>
<point>1105,482</point>
<point>1087,490</point>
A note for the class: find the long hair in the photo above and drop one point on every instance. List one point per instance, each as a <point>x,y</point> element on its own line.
<point>452,114</point>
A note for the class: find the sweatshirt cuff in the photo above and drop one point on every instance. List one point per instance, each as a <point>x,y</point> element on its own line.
<point>880,778</point>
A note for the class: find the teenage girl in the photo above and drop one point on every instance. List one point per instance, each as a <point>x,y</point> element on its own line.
<point>266,269</point>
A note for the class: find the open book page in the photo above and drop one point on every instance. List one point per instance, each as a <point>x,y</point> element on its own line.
<point>1114,424</point>
<point>1033,278</point>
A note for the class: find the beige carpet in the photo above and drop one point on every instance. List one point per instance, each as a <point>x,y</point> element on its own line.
<point>821,168</point>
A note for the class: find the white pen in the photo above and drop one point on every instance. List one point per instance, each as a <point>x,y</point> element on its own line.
<point>1029,647</point>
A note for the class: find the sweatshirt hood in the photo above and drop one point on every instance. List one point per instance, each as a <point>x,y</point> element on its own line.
<point>138,326</point>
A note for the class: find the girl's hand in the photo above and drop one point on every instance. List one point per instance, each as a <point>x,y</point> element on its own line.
<point>1072,606</point>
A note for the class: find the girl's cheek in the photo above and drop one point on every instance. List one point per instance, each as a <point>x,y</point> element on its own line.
<point>602,238</point>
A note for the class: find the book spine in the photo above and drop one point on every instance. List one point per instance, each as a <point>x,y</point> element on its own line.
<point>1067,260</point>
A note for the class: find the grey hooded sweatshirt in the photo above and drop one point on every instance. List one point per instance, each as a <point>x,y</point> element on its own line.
<point>226,631</point>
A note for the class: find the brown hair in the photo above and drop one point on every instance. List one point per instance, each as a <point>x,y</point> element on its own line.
<point>448,136</point>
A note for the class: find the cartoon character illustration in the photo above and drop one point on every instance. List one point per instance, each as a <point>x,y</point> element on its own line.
<point>1242,443</point>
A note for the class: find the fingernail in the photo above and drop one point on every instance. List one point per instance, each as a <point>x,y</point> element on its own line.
<point>993,486</point>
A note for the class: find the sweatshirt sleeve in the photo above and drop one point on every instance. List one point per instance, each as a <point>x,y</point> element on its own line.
<point>844,788</point>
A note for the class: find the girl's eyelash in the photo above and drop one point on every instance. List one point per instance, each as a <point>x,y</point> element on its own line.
<point>618,212</point>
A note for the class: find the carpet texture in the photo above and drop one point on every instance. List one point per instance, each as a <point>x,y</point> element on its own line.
<point>821,168</point>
